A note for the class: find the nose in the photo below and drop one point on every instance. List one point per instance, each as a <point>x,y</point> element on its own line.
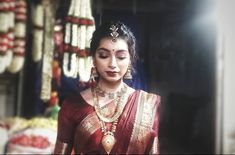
<point>113,63</point>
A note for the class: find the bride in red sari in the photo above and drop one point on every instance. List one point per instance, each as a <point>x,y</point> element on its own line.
<point>110,117</point>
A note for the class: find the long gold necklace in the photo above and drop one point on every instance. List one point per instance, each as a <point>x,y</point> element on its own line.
<point>108,139</point>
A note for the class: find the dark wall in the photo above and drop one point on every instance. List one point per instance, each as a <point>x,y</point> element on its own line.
<point>176,43</point>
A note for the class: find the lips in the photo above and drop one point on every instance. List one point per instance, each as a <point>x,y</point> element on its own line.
<point>111,73</point>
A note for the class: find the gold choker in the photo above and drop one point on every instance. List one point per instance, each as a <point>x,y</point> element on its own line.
<point>111,95</point>
<point>119,108</point>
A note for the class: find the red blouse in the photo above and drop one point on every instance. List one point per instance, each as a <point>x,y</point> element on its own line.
<point>137,127</point>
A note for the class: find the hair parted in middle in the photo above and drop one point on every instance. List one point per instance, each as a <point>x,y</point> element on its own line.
<point>114,30</point>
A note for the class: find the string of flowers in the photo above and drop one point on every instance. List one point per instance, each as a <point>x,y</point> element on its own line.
<point>70,71</point>
<point>49,7</point>
<point>7,22</point>
<point>19,38</point>
<point>78,32</point>
<point>38,16</point>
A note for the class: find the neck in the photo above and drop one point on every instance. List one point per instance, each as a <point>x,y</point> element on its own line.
<point>110,87</point>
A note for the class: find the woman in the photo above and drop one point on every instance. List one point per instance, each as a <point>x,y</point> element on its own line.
<point>110,117</point>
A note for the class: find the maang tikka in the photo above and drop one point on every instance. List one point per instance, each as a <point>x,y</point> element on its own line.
<point>114,34</point>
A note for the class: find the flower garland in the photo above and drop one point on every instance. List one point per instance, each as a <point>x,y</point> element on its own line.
<point>72,72</point>
<point>48,48</point>
<point>7,22</point>
<point>78,32</point>
<point>19,40</point>
<point>38,14</point>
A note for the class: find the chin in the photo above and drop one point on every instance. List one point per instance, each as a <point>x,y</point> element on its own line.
<point>113,80</point>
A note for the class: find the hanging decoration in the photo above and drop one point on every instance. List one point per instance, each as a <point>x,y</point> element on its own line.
<point>7,22</point>
<point>38,14</point>
<point>78,32</point>
<point>53,103</point>
<point>49,7</point>
<point>19,37</point>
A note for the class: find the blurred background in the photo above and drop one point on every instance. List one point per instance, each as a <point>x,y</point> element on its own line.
<point>186,51</point>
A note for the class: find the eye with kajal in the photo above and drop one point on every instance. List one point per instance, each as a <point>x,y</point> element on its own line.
<point>121,55</point>
<point>103,55</point>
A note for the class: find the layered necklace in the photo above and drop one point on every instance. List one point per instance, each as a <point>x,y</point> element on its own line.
<point>108,139</point>
<point>111,95</point>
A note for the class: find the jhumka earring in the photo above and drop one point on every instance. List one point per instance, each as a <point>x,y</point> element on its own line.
<point>94,72</point>
<point>93,75</point>
<point>128,75</point>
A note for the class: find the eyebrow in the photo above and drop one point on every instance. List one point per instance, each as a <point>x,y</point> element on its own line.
<point>109,50</point>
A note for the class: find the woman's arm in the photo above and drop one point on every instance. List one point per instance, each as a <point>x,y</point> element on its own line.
<point>62,148</point>
<point>66,127</point>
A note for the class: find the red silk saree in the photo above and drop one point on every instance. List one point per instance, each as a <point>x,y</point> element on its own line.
<point>79,129</point>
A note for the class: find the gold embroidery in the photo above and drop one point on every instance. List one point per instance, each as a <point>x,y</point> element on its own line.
<point>143,124</point>
<point>154,149</point>
<point>87,127</point>
<point>62,148</point>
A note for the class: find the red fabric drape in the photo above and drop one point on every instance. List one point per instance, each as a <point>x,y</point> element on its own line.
<point>78,126</point>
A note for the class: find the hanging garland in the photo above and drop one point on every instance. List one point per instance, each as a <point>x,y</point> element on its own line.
<point>19,40</point>
<point>70,58</point>
<point>7,22</point>
<point>38,16</point>
<point>48,48</point>
<point>78,32</point>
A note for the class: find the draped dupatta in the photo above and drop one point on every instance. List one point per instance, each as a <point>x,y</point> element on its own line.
<point>136,133</point>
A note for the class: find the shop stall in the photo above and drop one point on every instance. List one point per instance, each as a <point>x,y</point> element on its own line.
<point>44,57</point>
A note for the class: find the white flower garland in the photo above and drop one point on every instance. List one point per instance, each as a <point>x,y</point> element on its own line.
<point>70,30</point>
<point>85,64</point>
<point>37,33</point>
<point>20,34</point>
<point>77,37</point>
<point>72,72</point>
<point>7,36</point>
<point>67,33</point>
<point>85,38</point>
<point>48,48</point>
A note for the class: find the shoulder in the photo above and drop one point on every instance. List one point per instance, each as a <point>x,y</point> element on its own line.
<point>72,102</point>
<point>87,96</point>
<point>150,97</point>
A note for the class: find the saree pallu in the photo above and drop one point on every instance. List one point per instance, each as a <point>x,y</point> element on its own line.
<point>79,129</point>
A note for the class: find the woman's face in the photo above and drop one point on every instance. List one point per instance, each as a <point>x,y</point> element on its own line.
<point>112,59</point>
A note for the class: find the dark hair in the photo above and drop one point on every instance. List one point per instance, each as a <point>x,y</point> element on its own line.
<point>124,33</point>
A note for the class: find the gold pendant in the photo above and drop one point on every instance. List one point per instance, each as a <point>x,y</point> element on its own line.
<point>108,142</point>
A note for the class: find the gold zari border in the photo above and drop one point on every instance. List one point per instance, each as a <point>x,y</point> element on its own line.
<point>86,128</point>
<point>144,121</point>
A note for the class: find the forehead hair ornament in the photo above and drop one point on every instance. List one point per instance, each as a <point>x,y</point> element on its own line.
<point>114,34</point>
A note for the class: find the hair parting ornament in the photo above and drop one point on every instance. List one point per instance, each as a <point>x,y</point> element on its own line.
<point>114,34</point>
